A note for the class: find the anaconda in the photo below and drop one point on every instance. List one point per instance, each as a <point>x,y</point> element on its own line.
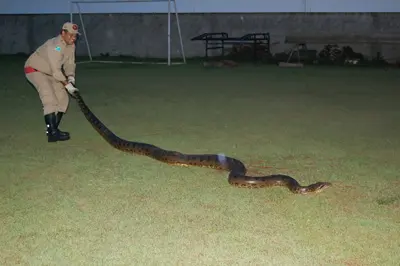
<point>237,170</point>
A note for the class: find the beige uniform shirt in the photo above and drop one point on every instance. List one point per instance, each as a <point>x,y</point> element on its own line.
<point>53,57</point>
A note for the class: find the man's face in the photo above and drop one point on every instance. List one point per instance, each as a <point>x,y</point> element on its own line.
<point>69,38</point>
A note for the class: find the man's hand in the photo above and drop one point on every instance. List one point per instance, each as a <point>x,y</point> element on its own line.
<point>71,79</point>
<point>71,88</point>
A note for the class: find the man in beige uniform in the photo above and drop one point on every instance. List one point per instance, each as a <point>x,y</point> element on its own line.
<point>51,70</point>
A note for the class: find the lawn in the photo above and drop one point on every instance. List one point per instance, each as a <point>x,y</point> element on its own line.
<point>82,202</point>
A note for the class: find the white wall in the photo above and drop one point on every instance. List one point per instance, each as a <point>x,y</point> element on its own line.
<point>206,6</point>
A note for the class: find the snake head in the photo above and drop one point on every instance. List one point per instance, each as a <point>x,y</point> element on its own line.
<point>314,188</point>
<point>319,187</point>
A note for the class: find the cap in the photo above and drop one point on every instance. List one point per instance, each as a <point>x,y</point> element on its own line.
<point>71,28</point>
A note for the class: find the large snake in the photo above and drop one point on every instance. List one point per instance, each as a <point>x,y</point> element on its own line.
<point>237,170</point>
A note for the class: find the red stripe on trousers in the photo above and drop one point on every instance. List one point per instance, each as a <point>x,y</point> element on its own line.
<point>28,70</point>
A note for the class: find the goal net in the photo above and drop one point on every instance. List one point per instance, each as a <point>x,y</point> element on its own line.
<point>76,9</point>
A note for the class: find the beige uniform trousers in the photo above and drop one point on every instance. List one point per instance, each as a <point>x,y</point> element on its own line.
<point>52,93</point>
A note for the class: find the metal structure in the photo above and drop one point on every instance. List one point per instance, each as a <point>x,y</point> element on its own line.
<point>77,3</point>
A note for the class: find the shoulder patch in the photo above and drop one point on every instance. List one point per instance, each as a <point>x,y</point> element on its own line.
<point>58,48</point>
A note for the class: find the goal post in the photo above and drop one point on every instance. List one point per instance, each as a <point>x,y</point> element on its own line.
<point>171,5</point>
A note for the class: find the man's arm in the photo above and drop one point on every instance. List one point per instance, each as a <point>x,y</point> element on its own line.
<point>70,66</point>
<point>54,56</point>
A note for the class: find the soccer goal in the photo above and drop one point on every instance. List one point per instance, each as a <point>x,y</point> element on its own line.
<point>75,8</point>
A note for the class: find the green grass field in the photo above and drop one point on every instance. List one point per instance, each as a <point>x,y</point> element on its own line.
<point>82,202</point>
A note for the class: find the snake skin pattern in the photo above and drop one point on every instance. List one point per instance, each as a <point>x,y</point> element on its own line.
<point>237,170</point>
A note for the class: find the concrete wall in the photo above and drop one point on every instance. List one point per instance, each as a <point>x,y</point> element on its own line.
<point>146,35</point>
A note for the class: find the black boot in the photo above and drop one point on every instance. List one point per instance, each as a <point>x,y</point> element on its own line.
<point>53,134</point>
<point>59,117</point>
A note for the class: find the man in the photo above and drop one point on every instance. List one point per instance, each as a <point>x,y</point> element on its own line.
<point>51,70</point>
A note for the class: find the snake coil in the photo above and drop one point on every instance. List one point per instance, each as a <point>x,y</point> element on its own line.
<point>237,171</point>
